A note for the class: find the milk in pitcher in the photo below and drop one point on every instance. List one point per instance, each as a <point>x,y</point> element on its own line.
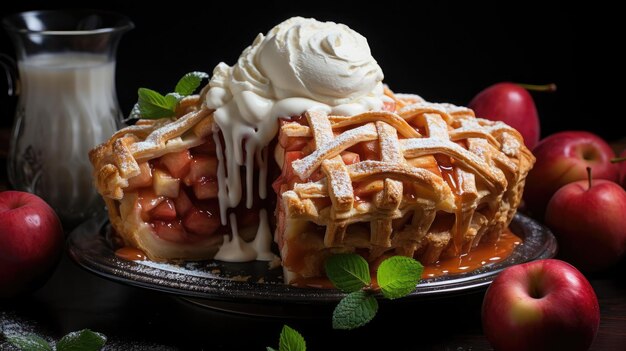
<point>68,106</point>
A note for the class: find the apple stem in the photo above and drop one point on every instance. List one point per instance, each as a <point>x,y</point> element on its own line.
<point>549,88</point>
<point>589,176</point>
<point>618,159</point>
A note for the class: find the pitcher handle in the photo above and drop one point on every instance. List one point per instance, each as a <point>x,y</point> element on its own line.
<point>10,69</point>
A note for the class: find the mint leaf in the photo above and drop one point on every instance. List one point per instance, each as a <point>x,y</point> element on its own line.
<point>397,276</point>
<point>190,82</point>
<point>83,340</point>
<point>29,342</point>
<point>355,310</point>
<point>173,97</point>
<point>270,349</point>
<point>348,272</point>
<point>153,105</point>
<point>291,340</point>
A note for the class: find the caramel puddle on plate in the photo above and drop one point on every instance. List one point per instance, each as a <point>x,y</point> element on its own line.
<point>483,254</point>
<point>130,254</point>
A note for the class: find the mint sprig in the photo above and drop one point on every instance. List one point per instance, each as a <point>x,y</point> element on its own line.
<point>290,340</point>
<point>189,83</point>
<point>83,340</point>
<point>153,105</point>
<point>397,277</point>
<point>348,272</point>
<point>355,310</point>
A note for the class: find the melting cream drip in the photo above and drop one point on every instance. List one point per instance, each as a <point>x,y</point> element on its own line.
<point>236,249</point>
<point>301,64</point>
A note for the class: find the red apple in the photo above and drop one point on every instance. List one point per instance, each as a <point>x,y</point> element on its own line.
<point>540,305</point>
<point>563,158</point>
<point>621,165</point>
<point>589,222</point>
<point>31,242</point>
<point>511,104</point>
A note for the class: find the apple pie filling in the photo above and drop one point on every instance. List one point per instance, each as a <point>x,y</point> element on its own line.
<point>177,194</point>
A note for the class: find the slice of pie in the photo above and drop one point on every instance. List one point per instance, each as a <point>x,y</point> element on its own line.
<point>353,167</point>
<point>158,179</point>
<point>428,181</point>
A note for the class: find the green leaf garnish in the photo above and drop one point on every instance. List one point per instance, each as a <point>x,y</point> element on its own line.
<point>29,342</point>
<point>348,272</point>
<point>154,105</point>
<point>190,82</point>
<point>355,310</point>
<point>83,340</point>
<point>290,340</point>
<point>397,276</point>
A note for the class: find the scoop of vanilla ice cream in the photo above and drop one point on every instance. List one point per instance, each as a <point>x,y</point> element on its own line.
<point>323,61</point>
<point>325,64</point>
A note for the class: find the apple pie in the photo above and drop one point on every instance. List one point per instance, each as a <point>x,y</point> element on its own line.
<point>422,180</point>
<point>353,166</point>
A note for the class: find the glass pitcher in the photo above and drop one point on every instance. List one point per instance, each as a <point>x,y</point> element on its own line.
<point>66,104</point>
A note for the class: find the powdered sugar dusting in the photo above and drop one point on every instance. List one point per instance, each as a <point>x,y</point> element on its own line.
<point>12,325</point>
<point>168,267</point>
<point>341,183</point>
<point>322,130</point>
<point>173,129</point>
<point>510,145</point>
<point>437,127</point>
<point>409,97</point>
<point>421,106</point>
<point>389,145</point>
<point>451,108</point>
<point>303,168</point>
<point>360,170</point>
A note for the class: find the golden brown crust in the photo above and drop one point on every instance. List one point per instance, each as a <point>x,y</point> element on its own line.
<point>117,160</point>
<point>438,217</point>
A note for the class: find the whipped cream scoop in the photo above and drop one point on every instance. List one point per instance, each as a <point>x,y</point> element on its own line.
<point>319,64</point>
<point>300,64</point>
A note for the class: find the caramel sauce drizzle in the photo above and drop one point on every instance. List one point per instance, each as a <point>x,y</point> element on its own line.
<point>130,254</point>
<point>480,256</point>
<point>448,173</point>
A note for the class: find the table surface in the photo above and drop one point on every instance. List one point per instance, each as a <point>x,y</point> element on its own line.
<point>139,319</point>
<point>74,299</point>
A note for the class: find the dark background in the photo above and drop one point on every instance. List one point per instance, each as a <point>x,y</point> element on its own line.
<point>440,50</point>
